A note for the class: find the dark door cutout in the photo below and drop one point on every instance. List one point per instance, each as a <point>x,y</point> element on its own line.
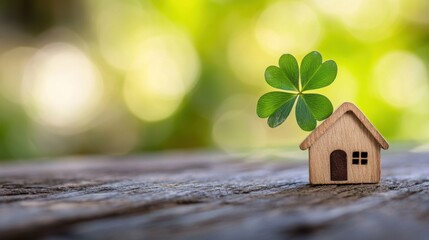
<point>338,161</point>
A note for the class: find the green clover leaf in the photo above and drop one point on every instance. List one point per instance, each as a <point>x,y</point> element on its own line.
<point>310,107</point>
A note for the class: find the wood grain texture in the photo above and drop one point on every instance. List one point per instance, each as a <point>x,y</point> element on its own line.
<point>339,112</point>
<point>347,130</point>
<point>349,135</point>
<point>209,196</point>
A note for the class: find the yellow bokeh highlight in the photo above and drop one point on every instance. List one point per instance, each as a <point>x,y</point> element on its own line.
<point>246,69</point>
<point>366,20</point>
<point>120,27</point>
<point>165,68</point>
<point>401,79</point>
<point>288,26</point>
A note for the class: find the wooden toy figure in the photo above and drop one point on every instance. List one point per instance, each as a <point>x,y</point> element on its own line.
<point>344,149</point>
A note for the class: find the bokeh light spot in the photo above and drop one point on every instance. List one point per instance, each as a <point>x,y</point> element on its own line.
<point>62,88</point>
<point>247,69</point>
<point>401,78</point>
<point>288,26</point>
<point>366,20</point>
<point>166,67</point>
<point>119,36</point>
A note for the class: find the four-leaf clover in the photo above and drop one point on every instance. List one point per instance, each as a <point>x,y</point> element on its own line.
<point>310,106</point>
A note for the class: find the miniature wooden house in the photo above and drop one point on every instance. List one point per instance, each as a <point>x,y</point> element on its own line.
<point>344,149</point>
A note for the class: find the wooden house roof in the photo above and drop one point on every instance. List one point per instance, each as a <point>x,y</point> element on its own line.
<point>344,108</point>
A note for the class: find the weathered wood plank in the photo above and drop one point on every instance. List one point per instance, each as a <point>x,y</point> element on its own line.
<point>209,196</point>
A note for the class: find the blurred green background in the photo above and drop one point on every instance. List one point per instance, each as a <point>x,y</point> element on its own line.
<point>117,77</point>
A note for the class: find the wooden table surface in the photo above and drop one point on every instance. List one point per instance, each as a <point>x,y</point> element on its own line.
<point>204,195</point>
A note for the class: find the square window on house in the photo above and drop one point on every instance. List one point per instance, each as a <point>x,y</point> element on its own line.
<point>355,161</point>
<point>364,161</point>
<point>355,154</point>
<point>364,154</point>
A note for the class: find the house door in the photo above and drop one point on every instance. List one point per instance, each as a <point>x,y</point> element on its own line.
<point>338,161</point>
